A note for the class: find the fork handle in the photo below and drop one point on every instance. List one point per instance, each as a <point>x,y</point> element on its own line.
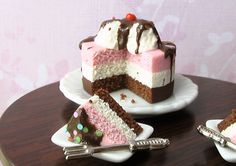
<point>149,144</point>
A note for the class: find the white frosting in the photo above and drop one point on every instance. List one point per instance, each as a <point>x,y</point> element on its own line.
<point>230,131</point>
<point>151,80</point>
<point>148,40</point>
<point>107,35</point>
<point>112,117</point>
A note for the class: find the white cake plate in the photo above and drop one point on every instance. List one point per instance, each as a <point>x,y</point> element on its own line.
<point>185,91</point>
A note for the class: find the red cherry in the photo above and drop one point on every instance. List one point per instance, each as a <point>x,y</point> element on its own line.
<point>130,17</point>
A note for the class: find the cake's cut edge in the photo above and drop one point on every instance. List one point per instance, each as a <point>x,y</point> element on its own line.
<point>104,95</point>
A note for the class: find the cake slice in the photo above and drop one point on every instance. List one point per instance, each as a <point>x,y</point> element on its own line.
<point>102,121</point>
<point>227,127</point>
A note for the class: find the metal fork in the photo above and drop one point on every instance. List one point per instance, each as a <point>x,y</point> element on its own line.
<point>85,150</point>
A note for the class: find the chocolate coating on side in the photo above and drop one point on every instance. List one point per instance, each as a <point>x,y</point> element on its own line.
<point>90,136</point>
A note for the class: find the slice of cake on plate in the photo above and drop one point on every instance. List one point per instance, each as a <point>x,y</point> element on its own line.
<point>128,53</point>
<point>227,127</point>
<point>102,121</point>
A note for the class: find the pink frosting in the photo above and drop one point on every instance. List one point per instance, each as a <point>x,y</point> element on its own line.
<point>153,61</point>
<point>111,134</point>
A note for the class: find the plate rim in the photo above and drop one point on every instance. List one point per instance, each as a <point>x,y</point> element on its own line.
<point>211,123</point>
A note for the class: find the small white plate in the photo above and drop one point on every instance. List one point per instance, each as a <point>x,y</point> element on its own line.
<point>185,91</point>
<point>60,139</point>
<point>226,153</point>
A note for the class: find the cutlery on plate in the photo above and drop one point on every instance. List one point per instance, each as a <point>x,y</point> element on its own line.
<point>85,150</point>
<point>216,136</point>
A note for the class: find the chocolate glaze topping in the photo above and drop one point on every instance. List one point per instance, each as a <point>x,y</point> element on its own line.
<point>88,135</point>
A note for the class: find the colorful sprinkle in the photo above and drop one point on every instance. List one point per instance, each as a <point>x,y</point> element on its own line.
<point>75,132</point>
<point>98,133</point>
<point>77,139</point>
<point>80,126</point>
<point>85,130</point>
<point>75,114</point>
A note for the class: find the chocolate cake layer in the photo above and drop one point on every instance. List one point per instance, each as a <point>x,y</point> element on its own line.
<point>110,84</point>
<point>104,95</point>
<point>113,83</point>
<point>230,119</point>
<point>151,95</point>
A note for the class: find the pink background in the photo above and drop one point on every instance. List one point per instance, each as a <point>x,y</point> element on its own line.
<point>39,39</point>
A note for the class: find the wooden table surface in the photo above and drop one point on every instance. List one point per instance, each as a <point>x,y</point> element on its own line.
<point>28,124</point>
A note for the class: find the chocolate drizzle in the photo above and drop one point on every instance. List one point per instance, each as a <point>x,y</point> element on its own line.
<point>169,49</point>
<point>88,135</point>
<point>122,38</point>
<point>123,32</point>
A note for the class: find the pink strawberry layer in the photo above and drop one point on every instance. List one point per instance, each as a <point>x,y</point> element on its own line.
<point>153,61</point>
<point>111,134</point>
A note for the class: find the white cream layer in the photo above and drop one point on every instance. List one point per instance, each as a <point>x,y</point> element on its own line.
<point>112,117</point>
<point>230,131</point>
<point>151,80</point>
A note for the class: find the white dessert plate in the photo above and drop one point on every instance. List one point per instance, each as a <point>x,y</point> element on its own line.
<point>60,138</point>
<point>226,153</point>
<point>185,91</point>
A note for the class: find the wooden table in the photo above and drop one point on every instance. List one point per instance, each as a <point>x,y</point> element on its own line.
<point>28,124</point>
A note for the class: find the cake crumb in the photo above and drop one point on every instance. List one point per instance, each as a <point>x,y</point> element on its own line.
<point>70,139</point>
<point>133,101</point>
<point>122,96</point>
